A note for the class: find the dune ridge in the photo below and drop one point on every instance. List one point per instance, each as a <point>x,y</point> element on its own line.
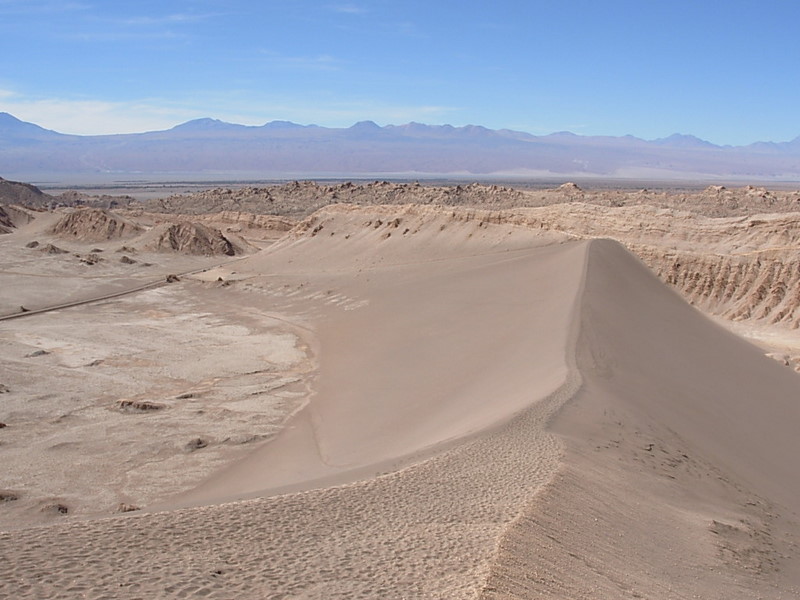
<point>383,398</point>
<point>677,481</point>
<point>424,531</point>
<point>570,428</point>
<point>745,246</point>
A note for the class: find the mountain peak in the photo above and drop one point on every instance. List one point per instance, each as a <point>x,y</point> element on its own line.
<point>8,118</point>
<point>682,140</point>
<point>9,124</point>
<point>475,130</point>
<point>281,125</point>
<point>208,144</point>
<point>205,124</point>
<point>365,126</point>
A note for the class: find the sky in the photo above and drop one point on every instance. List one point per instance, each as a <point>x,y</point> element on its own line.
<point>727,72</point>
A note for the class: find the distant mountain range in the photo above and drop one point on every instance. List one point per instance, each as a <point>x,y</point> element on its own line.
<point>282,148</point>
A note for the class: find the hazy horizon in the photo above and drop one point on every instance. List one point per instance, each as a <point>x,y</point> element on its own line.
<point>617,68</point>
<point>222,122</point>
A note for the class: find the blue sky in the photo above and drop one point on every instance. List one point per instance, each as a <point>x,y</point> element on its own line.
<point>728,72</point>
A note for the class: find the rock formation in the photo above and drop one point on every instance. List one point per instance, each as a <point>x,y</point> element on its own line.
<point>94,225</point>
<point>14,192</point>
<point>6,225</point>
<point>191,238</point>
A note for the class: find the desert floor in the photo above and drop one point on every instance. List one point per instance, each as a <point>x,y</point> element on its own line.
<point>402,401</point>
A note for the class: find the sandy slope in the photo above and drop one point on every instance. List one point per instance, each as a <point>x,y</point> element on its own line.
<point>431,357</point>
<point>680,477</point>
<point>445,348</point>
<point>428,530</point>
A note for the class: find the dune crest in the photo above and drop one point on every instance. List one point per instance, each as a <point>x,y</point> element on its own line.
<point>500,411</point>
<point>385,396</point>
<point>678,478</point>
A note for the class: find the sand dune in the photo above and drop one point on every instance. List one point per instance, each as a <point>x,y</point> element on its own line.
<point>679,478</point>
<point>499,412</point>
<point>432,357</point>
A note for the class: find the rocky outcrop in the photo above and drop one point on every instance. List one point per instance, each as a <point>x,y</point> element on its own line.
<point>243,221</point>
<point>190,238</point>
<point>94,225</point>
<point>301,198</point>
<point>14,216</point>
<point>75,198</point>
<point>740,268</point>
<point>758,286</point>
<point>6,225</point>
<point>51,249</point>
<point>15,192</point>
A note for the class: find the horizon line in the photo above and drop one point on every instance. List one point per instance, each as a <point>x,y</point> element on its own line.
<point>369,122</point>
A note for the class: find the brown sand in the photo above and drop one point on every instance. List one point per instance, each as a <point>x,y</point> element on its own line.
<point>421,466</point>
<point>679,479</point>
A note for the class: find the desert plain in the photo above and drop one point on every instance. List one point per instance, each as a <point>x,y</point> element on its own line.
<point>394,390</point>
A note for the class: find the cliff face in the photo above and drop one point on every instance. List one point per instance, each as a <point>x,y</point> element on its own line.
<point>6,224</point>
<point>740,268</point>
<point>762,286</point>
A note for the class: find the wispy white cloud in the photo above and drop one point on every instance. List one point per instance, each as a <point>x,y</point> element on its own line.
<point>319,62</point>
<point>97,26</point>
<point>138,27</point>
<point>171,19</point>
<point>94,117</point>
<point>23,7</point>
<point>120,36</point>
<point>349,8</point>
<point>87,116</point>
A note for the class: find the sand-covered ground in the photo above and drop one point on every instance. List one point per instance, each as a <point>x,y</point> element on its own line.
<point>398,402</point>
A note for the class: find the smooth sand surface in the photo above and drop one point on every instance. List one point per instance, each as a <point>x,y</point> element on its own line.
<point>445,349</point>
<point>442,349</point>
<point>680,474</point>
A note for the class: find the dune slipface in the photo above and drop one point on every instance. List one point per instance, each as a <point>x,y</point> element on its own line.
<point>679,478</point>
<point>422,467</point>
<point>450,342</point>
